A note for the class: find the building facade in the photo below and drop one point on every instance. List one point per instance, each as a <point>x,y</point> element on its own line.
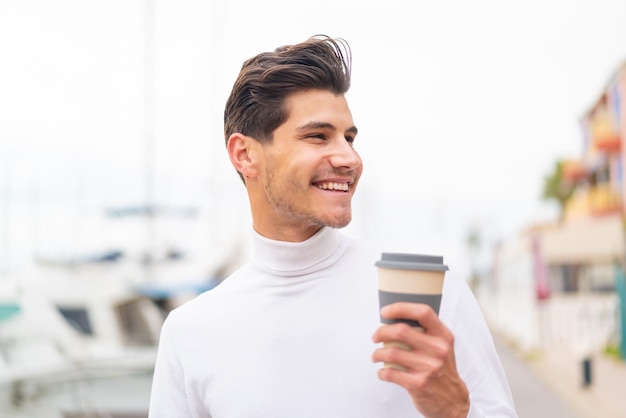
<point>599,174</point>
<point>558,282</point>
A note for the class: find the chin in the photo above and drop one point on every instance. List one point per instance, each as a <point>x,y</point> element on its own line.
<point>339,223</point>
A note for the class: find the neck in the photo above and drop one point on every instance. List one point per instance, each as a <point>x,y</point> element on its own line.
<point>285,233</point>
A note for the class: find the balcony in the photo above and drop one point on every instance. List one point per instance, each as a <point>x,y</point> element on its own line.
<point>592,202</point>
<point>609,142</point>
<point>604,130</point>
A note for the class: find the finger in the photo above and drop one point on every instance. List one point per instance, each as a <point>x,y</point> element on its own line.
<point>419,312</point>
<point>411,361</point>
<point>415,340</point>
<point>400,332</point>
<point>409,378</point>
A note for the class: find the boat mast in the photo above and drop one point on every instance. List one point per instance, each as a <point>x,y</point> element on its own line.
<point>6,231</point>
<point>149,137</point>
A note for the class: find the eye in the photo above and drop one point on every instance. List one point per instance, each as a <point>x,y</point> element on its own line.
<point>317,136</point>
<point>350,139</point>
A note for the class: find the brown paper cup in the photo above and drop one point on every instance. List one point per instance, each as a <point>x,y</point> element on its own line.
<point>412,278</point>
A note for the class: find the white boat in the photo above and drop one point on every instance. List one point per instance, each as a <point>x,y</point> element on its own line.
<point>78,337</point>
<point>68,326</point>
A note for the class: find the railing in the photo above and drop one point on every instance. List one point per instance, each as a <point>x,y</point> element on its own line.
<point>589,322</point>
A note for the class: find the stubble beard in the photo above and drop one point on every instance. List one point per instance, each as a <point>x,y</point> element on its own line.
<point>292,212</point>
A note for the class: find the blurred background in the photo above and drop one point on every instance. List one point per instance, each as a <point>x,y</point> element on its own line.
<point>491,133</point>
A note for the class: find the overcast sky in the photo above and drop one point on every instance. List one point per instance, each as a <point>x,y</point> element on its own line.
<point>462,107</point>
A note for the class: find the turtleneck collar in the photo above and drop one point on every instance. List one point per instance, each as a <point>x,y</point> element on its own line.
<point>295,258</point>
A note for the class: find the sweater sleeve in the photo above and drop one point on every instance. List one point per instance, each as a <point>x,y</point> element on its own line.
<point>170,396</point>
<point>477,359</point>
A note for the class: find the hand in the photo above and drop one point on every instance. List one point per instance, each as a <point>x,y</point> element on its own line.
<point>430,374</point>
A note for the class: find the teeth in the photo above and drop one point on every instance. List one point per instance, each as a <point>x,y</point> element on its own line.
<point>333,186</point>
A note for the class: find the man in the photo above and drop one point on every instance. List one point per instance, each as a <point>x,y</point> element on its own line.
<point>295,333</point>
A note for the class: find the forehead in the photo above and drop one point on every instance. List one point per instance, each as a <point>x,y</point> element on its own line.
<point>318,105</point>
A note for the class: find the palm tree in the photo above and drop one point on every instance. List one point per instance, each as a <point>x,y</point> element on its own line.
<point>473,241</point>
<point>556,187</point>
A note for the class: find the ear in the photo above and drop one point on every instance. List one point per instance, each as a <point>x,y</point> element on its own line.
<point>243,154</point>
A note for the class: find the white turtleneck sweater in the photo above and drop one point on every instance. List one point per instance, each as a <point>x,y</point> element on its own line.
<point>289,336</point>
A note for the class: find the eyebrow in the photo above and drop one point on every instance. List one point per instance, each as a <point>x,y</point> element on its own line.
<point>324,125</point>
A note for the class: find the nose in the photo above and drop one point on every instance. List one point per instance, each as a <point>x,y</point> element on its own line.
<point>345,156</point>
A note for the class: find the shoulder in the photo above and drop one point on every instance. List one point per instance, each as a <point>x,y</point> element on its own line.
<point>209,303</point>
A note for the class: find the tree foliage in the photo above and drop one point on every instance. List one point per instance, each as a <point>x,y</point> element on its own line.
<point>557,188</point>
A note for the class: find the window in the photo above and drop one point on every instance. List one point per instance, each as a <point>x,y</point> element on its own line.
<point>78,318</point>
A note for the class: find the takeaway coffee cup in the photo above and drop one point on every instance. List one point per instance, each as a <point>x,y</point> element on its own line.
<point>413,278</point>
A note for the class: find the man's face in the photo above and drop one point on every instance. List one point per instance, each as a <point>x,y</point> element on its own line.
<point>309,172</point>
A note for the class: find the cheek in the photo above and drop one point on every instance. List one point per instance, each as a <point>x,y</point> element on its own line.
<point>359,170</point>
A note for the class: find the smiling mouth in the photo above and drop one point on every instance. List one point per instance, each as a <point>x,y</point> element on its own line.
<point>339,187</point>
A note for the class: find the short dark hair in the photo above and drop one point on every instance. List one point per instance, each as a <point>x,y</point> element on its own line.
<point>256,105</point>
